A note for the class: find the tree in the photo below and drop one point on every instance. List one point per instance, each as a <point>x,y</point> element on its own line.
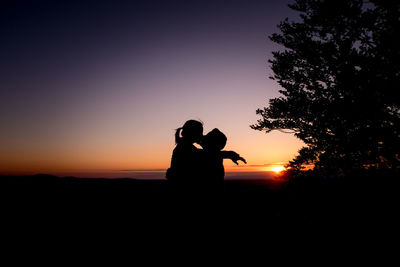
<point>340,78</point>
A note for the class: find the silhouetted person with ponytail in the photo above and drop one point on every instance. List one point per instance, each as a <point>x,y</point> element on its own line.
<point>196,168</point>
<point>185,155</point>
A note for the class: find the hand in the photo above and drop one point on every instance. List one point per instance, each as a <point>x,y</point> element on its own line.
<point>239,158</point>
<point>235,157</point>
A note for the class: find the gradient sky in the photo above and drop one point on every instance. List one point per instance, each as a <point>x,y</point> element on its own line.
<point>96,88</point>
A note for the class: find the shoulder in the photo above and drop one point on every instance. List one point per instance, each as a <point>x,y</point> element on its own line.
<point>183,149</point>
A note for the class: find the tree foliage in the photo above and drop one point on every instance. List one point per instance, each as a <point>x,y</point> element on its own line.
<point>339,72</point>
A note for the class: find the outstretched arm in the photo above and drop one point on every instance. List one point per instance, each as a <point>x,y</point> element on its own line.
<point>232,155</point>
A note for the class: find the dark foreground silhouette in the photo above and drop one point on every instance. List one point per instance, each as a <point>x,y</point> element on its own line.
<point>256,208</point>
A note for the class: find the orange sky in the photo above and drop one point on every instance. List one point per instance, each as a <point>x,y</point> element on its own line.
<point>109,158</point>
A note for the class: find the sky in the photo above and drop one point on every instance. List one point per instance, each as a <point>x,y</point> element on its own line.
<point>97,88</point>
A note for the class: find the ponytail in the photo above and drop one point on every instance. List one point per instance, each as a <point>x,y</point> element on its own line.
<point>178,137</point>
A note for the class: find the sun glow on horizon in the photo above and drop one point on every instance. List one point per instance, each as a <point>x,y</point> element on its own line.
<point>278,169</point>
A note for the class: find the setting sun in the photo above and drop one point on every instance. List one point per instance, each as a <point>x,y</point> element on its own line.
<point>278,169</point>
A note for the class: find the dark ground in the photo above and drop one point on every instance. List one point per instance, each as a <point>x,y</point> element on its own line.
<point>364,206</point>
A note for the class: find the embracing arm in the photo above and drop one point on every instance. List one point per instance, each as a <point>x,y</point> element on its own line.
<point>232,155</point>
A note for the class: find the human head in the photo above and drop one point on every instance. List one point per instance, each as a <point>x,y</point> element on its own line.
<point>214,140</point>
<point>191,131</point>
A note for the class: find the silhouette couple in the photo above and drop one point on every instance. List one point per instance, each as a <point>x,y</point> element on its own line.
<point>200,169</point>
